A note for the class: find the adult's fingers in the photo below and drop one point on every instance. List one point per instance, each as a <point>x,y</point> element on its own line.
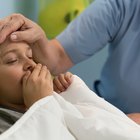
<point>29,32</point>
<point>26,35</point>
<point>10,24</point>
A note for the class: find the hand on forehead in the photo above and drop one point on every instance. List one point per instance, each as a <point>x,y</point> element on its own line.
<point>9,45</point>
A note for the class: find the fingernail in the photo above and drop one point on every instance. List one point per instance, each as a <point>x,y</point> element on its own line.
<point>13,36</point>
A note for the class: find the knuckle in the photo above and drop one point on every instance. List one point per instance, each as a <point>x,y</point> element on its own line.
<point>42,81</point>
<point>66,77</point>
<point>33,80</point>
<point>60,77</point>
<point>60,87</point>
<point>61,74</point>
<point>6,25</point>
<point>17,15</point>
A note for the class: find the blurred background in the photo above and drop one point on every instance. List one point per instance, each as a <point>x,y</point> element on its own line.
<point>54,16</point>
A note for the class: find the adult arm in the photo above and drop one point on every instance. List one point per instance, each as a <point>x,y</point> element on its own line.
<point>135,117</point>
<point>91,31</point>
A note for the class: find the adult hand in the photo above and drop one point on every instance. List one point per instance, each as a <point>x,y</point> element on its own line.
<point>50,53</point>
<point>21,29</point>
<point>37,85</point>
<point>135,117</point>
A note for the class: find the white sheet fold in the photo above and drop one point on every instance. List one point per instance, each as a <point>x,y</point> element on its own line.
<point>78,114</point>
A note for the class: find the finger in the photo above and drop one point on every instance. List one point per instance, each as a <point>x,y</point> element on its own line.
<point>25,78</point>
<point>43,72</point>
<point>9,25</point>
<point>29,32</point>
<point>56,89</point>
<point>48,75</point>
<point>63,81</point>
<point>59,86</point>
<point>36,72</point>
<point>23,36</point>
<point>68,77</point>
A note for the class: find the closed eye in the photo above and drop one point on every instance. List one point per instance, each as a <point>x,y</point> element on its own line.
<point>30,57</point>
<point>11,61</point>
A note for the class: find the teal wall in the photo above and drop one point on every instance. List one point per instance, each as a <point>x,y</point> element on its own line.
<point>88,70</point>
<point>29,8</point>
<point>6,8</point>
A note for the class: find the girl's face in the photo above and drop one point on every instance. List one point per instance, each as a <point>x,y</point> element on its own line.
<point>15,61</point>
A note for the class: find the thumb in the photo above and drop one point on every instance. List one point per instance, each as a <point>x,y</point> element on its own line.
<point>22,36</point>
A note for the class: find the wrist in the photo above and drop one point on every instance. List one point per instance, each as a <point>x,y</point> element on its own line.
<point>30,103</point>
<point>41,101</point>
<point>42,40</point>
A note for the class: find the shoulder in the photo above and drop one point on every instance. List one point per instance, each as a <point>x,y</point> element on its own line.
<point>115,4</point>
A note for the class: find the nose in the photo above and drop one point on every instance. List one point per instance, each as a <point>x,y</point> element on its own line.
<point>29,65</point>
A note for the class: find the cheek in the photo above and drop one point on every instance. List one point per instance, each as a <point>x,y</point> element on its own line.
<point>10,86</point>
<point>11,77</point>
<point>14,76</point>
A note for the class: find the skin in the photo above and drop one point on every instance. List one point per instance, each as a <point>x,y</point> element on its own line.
<point>62,82</point>
<point>47,52</point>
<point>20,77</point>
<point>22,81</point>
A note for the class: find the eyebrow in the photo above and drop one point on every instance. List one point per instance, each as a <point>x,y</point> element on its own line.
<point>12,50</point>
<point>3,54</point>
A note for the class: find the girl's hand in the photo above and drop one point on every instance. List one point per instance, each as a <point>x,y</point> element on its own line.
<point>37,85</point>
<point>62,82</point>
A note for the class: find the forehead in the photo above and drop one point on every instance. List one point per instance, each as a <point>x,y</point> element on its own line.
<point>5,43</point>
<point>9,45</point>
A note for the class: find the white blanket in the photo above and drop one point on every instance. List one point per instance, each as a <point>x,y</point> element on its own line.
<point>78,115</point>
